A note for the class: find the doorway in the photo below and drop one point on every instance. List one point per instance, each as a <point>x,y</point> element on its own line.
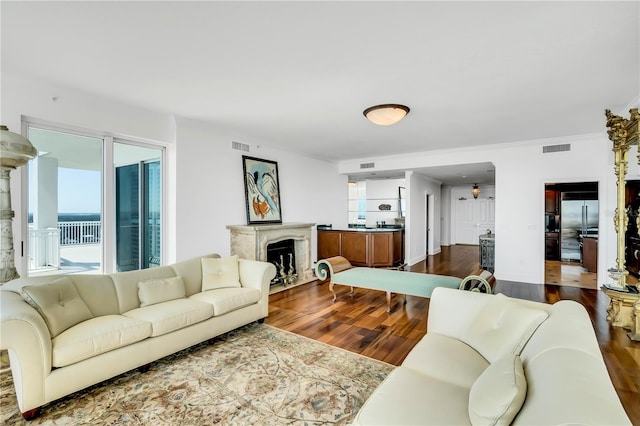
<point>427,222</point>
<point>571,234</point>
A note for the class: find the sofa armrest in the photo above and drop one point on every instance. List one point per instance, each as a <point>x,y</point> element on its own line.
<point>258,275</point>
<point>25,336</point>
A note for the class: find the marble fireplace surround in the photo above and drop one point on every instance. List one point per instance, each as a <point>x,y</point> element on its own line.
<point>250,242</point>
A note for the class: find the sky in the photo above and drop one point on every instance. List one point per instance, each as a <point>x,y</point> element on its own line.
<point>78,191</point>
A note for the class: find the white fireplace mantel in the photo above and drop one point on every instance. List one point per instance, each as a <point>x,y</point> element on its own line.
<point>251,241</point>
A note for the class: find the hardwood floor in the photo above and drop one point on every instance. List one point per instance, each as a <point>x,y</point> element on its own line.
<point>360,323</point>
<point>569,274</point>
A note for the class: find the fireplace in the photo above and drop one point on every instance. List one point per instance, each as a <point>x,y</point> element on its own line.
<point>282,254</point>
<point>253,241</point>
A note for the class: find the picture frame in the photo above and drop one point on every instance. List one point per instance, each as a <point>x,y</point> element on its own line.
<point>261,190</point>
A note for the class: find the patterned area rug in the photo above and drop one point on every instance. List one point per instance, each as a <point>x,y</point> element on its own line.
<point>256,375</point>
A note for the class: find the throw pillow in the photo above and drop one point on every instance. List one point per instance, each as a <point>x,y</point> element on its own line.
<point>502,326</point>
<point>497,395</point>
<point>220,272</point>
<point>160,290</point>
<point>58,303</point>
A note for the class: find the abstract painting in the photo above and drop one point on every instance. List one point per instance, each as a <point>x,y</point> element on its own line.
<point>262,190</point>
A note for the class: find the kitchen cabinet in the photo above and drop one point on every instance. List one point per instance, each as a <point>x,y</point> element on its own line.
<point>363,247</point>
<point>590,254</point>
<point>551,201</point>
<point>552,246</point>
<point>329,244</point>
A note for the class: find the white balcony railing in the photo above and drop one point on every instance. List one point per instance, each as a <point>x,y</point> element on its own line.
<point>44,249</point>
<point>45,244</point>
<point>80,232</point>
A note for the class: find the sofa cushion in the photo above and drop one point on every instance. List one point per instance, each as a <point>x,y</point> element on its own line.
<point>447,359</point>
<point>502,326</point>
<point>172,315</point>
<point>96,336</point>
<point>191,272</point>
<point>59,304</point>
<point>160,290</point>
<point>220,273</point>
<point>406,397</point>
<point>497,396</point>
<point>228,299</point>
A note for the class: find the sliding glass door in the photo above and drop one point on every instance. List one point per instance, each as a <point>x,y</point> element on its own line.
<point>95,203</point>
<point>138,204</point>
<point>65,203</point>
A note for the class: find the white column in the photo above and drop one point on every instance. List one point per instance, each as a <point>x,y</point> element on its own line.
<point>45,208</point>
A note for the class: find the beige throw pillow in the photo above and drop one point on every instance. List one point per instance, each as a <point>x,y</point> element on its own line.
<point>220,273</point>
<point>160,290</point>
<point>497,395</point>
<point>503,326</point>
<point>58,303</point>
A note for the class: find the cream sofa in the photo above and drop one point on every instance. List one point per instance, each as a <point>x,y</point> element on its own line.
<point>78,330</point>
<point>490,359</point>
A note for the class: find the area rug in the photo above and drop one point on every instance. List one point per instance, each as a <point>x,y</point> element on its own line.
<point>256,375</point>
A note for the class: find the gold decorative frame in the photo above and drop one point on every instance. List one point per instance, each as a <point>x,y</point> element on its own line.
<point>623,133</point>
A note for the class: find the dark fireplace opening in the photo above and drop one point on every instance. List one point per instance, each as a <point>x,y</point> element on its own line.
<point>283,255</point>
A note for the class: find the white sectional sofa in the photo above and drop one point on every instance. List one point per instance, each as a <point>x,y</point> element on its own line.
<point>65,333</point>
<point>490,359</point>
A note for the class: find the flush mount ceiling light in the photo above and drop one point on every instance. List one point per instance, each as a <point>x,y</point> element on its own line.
<point>475,191</point>
<point>386,114</point>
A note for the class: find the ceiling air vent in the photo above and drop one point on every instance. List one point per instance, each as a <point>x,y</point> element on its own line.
<point>556,148</point>
<point>240,146</point>
<point>367,165</point>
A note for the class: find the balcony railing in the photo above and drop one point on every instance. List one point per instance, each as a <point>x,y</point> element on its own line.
<point>80,232</point>
<point>45,244</point>
<point>44,249</point>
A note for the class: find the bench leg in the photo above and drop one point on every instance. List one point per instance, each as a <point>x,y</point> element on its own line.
<point>331,290</point>
<point>405,299</point>
<point>389,302</point>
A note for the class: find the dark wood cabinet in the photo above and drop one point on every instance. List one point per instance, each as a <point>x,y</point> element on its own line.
<point>329,244</point>
<point>590,254</point>
<point>355,247</point>
<point>551,201</point>
<point>363,248</point>
<point>552,245</point>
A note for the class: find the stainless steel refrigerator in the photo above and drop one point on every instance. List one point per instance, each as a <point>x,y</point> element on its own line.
<point>577,218</point>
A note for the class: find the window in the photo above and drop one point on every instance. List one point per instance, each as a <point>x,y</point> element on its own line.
<point>88,217</point>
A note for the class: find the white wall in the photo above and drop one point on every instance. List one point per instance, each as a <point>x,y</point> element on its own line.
<point>382,191</point>
<point>211,188</point>
<point>204,175</point>
<point>418,188</point>
<point>521,173</point>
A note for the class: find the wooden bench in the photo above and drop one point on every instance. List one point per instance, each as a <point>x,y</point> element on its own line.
<point>339,270</point>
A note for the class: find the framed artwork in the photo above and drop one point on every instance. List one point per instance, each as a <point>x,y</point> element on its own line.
<point>261,190</point>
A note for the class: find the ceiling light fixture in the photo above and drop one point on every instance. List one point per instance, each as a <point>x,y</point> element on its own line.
<point>386,114</point>
<point>475,191</point>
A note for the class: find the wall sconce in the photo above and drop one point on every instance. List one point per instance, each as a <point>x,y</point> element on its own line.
<point>475,191</point>
<point>387,114</point>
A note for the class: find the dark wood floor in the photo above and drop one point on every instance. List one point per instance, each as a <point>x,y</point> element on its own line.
<point>361,324</point>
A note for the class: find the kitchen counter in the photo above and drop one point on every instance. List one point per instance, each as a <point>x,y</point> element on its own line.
<point>372,247</point>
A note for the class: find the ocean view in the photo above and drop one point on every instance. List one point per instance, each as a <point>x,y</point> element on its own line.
<point>73,217</point>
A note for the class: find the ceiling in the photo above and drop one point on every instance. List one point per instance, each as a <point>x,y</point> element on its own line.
<point>296,75</point>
